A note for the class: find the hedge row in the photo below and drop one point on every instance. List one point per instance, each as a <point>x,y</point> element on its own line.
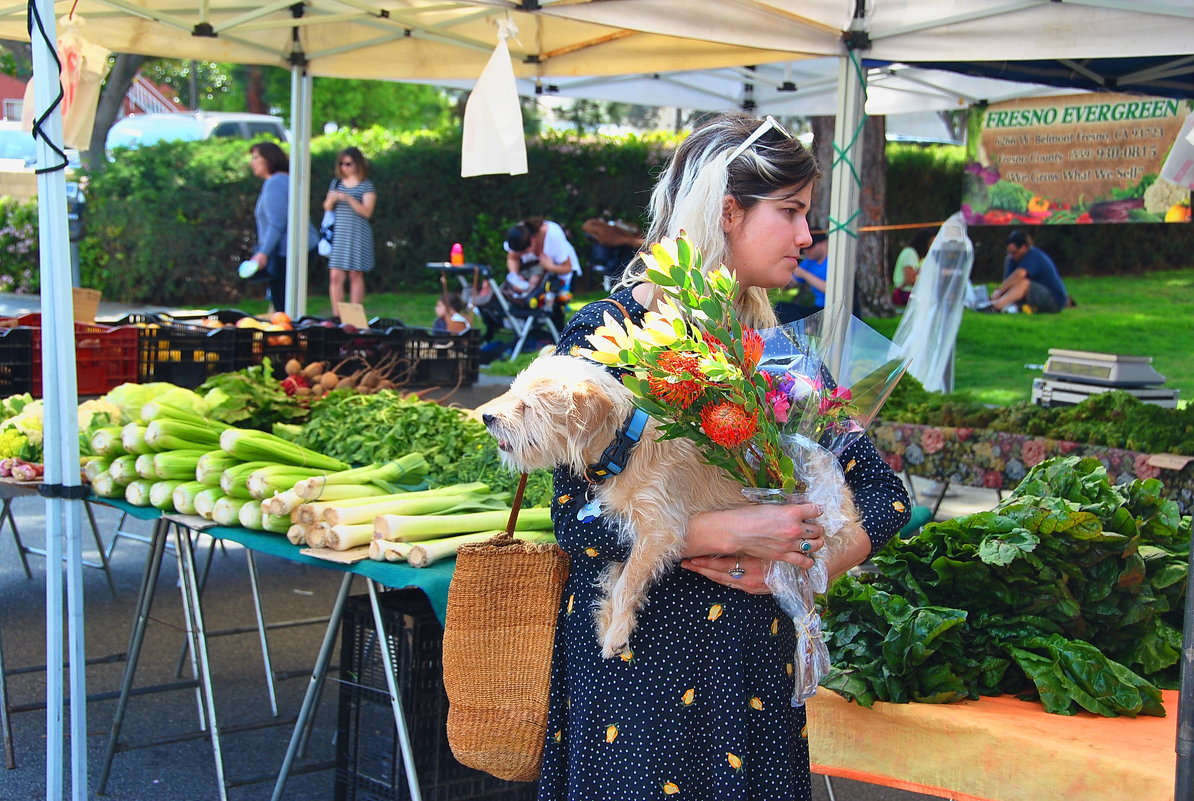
<point>169,223</point>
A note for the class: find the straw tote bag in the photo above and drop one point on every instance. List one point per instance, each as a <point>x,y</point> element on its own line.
<point>498,639</point>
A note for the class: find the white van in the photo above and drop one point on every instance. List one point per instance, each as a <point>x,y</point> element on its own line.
<point>146,129</point>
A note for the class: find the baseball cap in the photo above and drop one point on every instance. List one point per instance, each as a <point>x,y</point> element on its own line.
<point>1017,238</point>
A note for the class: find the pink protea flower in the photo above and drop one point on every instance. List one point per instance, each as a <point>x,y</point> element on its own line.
<point>781,405</point>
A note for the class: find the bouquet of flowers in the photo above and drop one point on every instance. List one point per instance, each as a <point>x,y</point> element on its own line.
<point>773,408</point>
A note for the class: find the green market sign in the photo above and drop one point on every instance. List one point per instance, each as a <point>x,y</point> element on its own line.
<point>1073,159</point>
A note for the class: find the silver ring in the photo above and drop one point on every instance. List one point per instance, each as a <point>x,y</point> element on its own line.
<point>805,546</point>
<point>736,572</point>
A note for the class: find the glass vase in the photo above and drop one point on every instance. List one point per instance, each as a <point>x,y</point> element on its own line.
<point>795,590</point>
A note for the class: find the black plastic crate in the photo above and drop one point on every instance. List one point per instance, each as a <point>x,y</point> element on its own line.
<point>187,355</point>
<point>445,360</point>
<point>369,763</point>
<point>364,348</point>
<point>16,361</point>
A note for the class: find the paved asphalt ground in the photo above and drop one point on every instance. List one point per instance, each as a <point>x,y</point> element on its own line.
<point>184,771</point>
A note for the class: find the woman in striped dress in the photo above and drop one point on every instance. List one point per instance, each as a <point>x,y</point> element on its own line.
<point>352,198</point>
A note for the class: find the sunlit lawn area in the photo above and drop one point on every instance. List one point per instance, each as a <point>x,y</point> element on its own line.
<point>1146,314</point>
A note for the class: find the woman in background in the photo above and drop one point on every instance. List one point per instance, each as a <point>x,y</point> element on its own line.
<point>352,197</point>
<point>907,266</point>
<point>269,162</point>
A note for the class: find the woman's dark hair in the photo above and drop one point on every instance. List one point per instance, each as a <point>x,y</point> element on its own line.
<point>921,241</point>
<point>275,158</point>
<point>357,158</point>
<point>519,237</point>
<point>452,301</point>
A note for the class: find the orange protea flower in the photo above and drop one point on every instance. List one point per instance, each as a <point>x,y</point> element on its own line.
<point>752,346</point>
<point>728,424</point>
<point>671,387</point>
<point>713,342</point>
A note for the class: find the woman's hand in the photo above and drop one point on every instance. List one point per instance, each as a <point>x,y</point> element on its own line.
<point>785,533</point>
<point>261,259</point>
<point>717,568</point>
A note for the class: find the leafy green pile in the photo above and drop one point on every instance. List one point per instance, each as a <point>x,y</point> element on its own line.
<point>362,429</point>
<point>1115,419</point>
<point>1009,195</point>
<point>251,398</point>
<point>1070,590</point>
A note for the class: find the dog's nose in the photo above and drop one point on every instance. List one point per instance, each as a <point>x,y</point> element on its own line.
<point>487,418</point>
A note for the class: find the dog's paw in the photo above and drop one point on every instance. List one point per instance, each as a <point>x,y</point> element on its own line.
<point>614,647</point>
<point>615,639</point>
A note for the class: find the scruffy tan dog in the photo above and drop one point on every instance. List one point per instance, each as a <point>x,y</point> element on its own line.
<point>566,410</point>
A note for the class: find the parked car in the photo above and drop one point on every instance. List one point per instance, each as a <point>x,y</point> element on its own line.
<point>146,129</point>
<point>18,161</point>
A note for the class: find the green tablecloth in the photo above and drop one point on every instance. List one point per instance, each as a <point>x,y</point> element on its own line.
<point>431,580</point>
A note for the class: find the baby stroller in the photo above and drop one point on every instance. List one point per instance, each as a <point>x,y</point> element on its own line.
<point>506,307</point>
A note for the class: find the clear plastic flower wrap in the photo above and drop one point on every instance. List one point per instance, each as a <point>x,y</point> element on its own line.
<point>824,388</point>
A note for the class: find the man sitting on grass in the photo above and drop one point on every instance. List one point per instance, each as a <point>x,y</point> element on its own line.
<point>1030,278</point>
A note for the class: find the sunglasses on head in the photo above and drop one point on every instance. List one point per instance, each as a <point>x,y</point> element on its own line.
<point>764,126</point>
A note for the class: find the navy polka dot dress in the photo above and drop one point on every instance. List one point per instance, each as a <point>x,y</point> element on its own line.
<point>700,708</point>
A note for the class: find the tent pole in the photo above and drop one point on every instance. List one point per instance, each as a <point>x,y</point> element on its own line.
<point>61,440</point>
<point>845,192</point>
<point>1184,781</point>
<point>300,191</point>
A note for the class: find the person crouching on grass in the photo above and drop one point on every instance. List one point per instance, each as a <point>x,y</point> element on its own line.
<point>1030,278</point>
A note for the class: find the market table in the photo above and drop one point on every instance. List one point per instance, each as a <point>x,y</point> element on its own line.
<point>11,489</point>
<point>433,581</point>
<point>995,749</point>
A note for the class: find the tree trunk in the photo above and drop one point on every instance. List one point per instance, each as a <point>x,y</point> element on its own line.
<point>255,91</point>
<point>872,289</point>
<point>872,280</point>
<point>116,86</point>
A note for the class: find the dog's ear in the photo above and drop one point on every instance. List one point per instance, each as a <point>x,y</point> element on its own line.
<point>592,406</point>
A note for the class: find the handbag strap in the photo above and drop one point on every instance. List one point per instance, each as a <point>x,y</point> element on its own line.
<point>621,308</point>
<point>515,507</point>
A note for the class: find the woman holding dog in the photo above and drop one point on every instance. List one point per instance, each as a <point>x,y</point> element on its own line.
<point>700,704</point>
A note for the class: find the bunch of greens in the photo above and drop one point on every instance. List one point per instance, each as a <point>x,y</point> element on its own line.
<point>21,428</point>
<point>1115,419</point>
<point>251,398</point>
<point>1070,590</point>
<point>362,429</point>
<point>1009,195</point>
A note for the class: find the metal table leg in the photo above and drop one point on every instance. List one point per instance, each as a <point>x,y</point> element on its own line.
<point>184,649</point>
<point>6,513</point>
<point>190,592</point>
<point>317,676</point>
<point>387,660</point>
<point>10,757</point>
<point>251,562</point>
<point>99,546</point>
<point>149,580</point>
<point>188,638</point>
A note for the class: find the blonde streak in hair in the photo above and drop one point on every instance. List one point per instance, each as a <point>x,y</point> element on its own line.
<point>698,209</point>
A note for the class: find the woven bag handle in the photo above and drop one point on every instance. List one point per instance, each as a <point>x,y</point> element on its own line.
<point>515,507</point>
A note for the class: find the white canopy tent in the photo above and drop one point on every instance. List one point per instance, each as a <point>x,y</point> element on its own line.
<point>426,39</point>
<point>792,88</point>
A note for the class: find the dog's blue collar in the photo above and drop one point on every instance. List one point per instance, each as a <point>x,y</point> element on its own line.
<point>613,460</point>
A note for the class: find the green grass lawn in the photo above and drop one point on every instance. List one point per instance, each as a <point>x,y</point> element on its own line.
<point>1147,314</point>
